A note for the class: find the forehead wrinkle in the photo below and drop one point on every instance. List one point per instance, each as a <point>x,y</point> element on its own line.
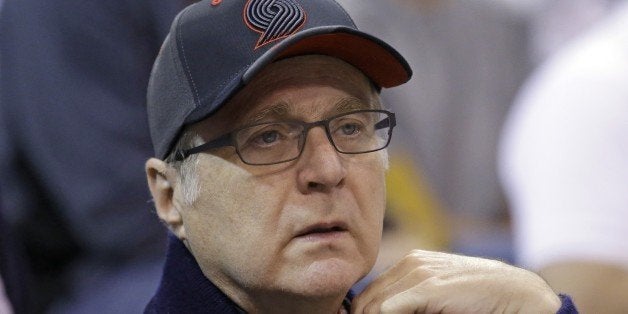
<point>344,104</point>
<point>282,110</point>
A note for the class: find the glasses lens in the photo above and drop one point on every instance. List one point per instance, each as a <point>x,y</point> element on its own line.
<point>361,132</point>
<point>269,143</point>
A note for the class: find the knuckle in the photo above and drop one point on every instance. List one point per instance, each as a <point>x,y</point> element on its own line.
<point>388,307</point>
<point>413,257</point>
<point>416,253</point>
<point>373,307</point>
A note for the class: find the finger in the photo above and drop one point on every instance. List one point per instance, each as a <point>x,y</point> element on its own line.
<point>406,266</point>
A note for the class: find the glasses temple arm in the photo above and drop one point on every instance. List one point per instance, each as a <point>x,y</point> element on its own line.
<point>389,121</point>
<point>222,141</point>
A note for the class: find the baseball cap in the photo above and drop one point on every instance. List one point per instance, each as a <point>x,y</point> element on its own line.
<point>215,47</point>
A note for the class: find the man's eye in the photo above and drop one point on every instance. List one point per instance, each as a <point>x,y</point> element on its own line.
<point>269,137</point>
<point>350,128</point>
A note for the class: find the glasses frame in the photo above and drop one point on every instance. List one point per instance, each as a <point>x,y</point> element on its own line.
<point>229,139</point>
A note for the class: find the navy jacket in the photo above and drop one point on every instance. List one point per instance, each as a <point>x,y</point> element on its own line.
<point>184,288</point>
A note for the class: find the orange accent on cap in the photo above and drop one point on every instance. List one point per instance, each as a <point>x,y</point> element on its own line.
<point>216,2</point>
<point>372,59</point>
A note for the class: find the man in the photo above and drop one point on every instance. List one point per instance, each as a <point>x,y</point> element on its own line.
<point>266,120</point>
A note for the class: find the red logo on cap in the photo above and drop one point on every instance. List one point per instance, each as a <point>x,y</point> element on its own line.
<point>273,19</point>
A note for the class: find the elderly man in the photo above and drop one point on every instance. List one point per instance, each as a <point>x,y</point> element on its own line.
<point>266,120</point>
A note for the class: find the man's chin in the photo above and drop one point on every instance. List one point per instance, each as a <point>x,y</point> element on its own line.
<point>329,277</point>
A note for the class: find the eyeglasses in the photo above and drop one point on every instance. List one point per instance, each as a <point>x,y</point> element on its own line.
<point>355,132</point>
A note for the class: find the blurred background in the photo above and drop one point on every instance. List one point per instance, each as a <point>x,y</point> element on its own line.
<point>507,101</point>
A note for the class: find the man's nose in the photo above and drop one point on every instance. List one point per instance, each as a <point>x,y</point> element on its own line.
<point>320,167</point>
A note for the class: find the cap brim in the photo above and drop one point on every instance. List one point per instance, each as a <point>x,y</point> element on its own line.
<point>376,59</point>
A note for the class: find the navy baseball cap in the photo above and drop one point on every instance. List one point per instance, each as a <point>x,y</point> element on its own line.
<point>215,47</point>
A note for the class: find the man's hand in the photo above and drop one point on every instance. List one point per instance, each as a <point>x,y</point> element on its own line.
<point>433,282</point>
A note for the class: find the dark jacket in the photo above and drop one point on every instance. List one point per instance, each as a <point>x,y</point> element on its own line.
<point>184,288</point>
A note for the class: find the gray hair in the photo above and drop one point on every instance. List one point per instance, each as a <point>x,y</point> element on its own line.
<point>187,169</point>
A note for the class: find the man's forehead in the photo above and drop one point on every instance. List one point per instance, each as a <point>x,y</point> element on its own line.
<point>233,117</point>
<point>266,92</point>
<point>284,111</point>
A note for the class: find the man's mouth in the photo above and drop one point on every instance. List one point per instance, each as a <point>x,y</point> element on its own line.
<point>322,230</point>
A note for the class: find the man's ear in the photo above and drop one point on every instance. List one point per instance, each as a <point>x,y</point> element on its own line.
<point>161,180</point>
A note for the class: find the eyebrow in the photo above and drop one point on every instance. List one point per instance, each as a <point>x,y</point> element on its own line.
<point>278,110</point>
<point>349,104</point>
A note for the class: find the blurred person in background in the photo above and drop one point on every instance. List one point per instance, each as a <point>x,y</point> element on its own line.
<point>75,137</point>
<point>564,164</point>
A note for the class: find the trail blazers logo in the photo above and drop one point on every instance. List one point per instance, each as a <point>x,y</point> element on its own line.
<point>273,19</point>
